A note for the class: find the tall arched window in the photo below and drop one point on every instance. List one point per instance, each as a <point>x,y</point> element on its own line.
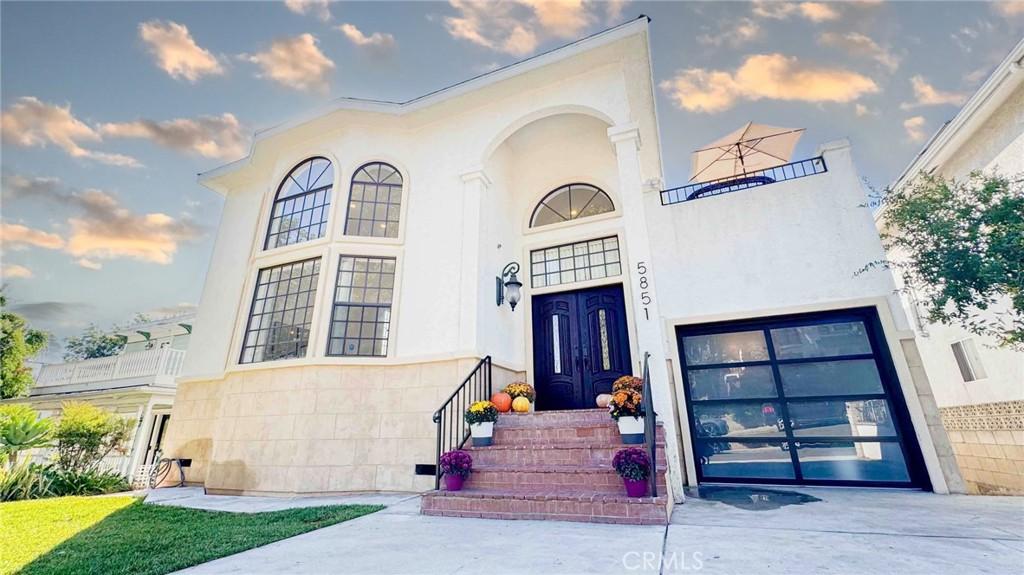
<point>301,205</point>
<point>375,201</point>
<point>571,202</point>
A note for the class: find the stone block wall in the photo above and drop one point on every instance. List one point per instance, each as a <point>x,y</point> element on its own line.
<point>315,429</point>
<point>988,440</point>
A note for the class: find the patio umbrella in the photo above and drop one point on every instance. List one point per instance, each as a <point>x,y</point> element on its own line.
<point>751,148</point>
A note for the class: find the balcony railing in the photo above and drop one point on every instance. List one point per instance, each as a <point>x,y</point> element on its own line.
<point>162,365</point>
<point>791,171</point>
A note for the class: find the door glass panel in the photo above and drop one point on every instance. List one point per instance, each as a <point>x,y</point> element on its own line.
<point>732,383</point>
<point>853,461</point>
<point>726,459</point>
<point>822,340</point>
<point>725,348</point>
<point>849,418</point>
<point>606,359</point>
<point>740,419</point>
<point>556,344</point>
<point>847,377</point>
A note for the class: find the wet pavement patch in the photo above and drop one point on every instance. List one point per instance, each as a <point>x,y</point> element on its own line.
<point>754,498</point>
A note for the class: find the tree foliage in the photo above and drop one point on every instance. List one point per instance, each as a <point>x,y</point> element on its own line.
<point>21,430</point>
<point>91,343</point>
<point>86,434</point>
<point>18,342</point>
<point>960,245</point>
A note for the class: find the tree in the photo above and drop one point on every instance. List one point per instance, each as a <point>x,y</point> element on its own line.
<point>86,434</point>
<point>960,245</point>
<point>93,342</point>
<point>18,343</point>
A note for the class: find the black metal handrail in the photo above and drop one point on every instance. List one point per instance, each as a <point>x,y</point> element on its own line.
<point>452,430</point>
<point>791,171</point>
<point>650,426</point>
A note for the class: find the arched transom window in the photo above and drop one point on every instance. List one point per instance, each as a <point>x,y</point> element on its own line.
<point>301,205</point>
<point>375,202</point>
<point>571,202</point>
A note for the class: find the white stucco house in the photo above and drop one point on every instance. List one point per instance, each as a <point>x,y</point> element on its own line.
<point>352,290</point>
<point>979,387</point>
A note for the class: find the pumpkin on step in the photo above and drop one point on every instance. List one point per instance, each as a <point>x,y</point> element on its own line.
<point>520,405</point>
<point>603,400</point>
<point>502,401</point>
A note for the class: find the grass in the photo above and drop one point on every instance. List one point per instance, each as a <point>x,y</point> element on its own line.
<point>107,535</point>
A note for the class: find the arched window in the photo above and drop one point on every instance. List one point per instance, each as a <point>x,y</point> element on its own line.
<point>571,202</point>
<point>301,205</point>
<point>375,202</point>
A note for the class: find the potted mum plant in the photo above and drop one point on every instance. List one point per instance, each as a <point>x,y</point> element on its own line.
<point>634,467</point>
<point>631,382</point>
<point>627,409</point>
<point>522,395</point>
<point>455,465</point>
<point>481,417</point>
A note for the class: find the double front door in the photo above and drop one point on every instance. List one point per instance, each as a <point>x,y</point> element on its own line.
<point>580,346</point>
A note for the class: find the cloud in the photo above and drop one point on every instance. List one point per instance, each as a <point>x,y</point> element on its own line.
<point>50,310</point>
<point>30,122</point>
<point>17,236</point>
<point>13,271</point>
<point>732,32</point>
<point>378,42</point>
<point>861,110</point>
<point>915,128</point>
<point>765,76</point>
<point>218,137</point>
<point>1009,8</point>
<point>813,11</point>
<point>319,8</point>
<point>89,264</point>
<point>17,186</point>
<point>176,52</point>
<point>173,310</point>
<point>294,62</point>
<point>927,95</point>
<point>858,44</point>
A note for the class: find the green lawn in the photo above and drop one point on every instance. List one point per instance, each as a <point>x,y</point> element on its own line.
<point>107,535</point>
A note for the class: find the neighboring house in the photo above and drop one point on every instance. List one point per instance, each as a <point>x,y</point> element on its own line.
<point>352,288</point>
<point>137,383</point>
<point>979,387</point>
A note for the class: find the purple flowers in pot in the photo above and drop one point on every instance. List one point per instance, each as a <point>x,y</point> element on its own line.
<point>456,462</point>
<point>632,463</point>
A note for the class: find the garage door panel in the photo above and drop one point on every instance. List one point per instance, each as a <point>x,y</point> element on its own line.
<point>734,460</point>
<point>842,377</point>
<point>842,418</point>
<point>751,382</point>
<point>853,461</point>
<point>736,347</point>
<point>821,340</point>
<point>738,419</point>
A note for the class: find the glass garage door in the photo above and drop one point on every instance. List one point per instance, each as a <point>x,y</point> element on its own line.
<point>798,400</point>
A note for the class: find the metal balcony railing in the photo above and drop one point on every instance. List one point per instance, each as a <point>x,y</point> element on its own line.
<point>791,171</point>
<point>160,364</point>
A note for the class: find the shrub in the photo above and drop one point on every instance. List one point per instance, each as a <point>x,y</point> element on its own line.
<point>21,430</point>
<point>481,412</point>
<point>626,403</point>
<point>628,382</point>
<point>26,480</point>
<point>88,482</point>
<point>520,389</point>
<point>632,463</point>
<point>86,434</point>
<point>457,462</point>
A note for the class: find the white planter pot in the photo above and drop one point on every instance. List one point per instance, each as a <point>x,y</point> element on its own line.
<point>631,429</point>
<point>483,433</point>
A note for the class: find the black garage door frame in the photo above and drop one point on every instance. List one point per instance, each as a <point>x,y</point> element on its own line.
<point>910,449</point>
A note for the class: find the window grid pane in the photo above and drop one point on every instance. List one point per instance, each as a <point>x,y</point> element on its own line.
<point>581,261</point>
<point>302,204</point>
<point>375,202</point>
<point>281,313</point>
<point>361,318</point>
<point>569,203</point>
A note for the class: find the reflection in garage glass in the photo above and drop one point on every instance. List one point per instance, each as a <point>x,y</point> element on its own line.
<point>741,419</point>
<point>732,383</point>
<point>852,461</point>
<point>726,348</point>
<point>851,418</point>
<point>824,340</point>
<point>845,377</point>
<point>730,459</point>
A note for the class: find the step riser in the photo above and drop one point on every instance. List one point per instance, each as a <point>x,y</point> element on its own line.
<point>527,481</point>
<point>546,435</point>
<point>554,419</point>
<point>587,511</point>
<point>583,456</point>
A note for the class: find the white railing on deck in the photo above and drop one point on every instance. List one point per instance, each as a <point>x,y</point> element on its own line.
<point>161,364</point>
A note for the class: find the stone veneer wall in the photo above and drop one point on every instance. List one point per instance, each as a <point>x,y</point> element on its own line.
<point>315,430</point>
<point>988,440</point>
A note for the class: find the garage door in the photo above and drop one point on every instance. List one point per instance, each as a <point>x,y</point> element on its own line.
<point>809,399</point>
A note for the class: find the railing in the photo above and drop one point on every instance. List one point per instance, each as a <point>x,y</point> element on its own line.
<point>650,426</point>
<point>161,364</point>
<point>452,430</point>
<point>791,171</point>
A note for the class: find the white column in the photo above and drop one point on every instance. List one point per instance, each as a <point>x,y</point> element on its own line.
<point>474,184</point>
<point>649,332</point>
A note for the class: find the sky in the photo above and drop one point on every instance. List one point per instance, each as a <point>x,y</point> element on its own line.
<point>109,110</point>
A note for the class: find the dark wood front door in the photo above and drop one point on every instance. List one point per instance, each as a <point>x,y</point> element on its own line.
<point>580,346</point>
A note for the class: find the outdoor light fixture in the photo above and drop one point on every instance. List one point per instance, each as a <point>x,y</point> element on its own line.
<point>512,286</point>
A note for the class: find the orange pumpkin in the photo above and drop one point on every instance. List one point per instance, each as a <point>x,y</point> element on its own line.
<point>502,401</point>
<point>520,405</point>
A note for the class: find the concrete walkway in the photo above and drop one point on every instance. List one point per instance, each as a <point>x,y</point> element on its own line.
<point>840,531</point>
<point>196,498</point>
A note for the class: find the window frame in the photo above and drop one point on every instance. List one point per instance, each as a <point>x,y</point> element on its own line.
<point>334,304</point>
<point>971,360</point>
<point>311,307</point>
<point>542,202</point>
<point>328,207</point>
<point>402,208</point>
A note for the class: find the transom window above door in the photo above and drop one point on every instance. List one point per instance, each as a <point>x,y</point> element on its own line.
<point>301,205</point>
<point>375,202</point>
<point>571,202</point>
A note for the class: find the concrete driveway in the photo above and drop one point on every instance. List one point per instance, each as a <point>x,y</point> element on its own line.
<point>775,531</point>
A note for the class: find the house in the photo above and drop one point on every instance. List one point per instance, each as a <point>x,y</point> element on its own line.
<point>352,290</point>
<point>979,387</point>
<point>137,383</point>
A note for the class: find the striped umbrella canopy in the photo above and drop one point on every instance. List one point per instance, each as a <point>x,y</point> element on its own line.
<point>749,149</point>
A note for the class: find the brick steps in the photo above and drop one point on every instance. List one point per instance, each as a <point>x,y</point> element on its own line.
<point>560,453</point>
<point>554,505</point>
<point>602,479</point>
<point>523,434</point>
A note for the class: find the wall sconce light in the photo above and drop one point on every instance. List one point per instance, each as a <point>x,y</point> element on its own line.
<point>510,288</point>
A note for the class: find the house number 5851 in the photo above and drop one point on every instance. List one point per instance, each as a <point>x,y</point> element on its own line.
<point>645,296</point>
